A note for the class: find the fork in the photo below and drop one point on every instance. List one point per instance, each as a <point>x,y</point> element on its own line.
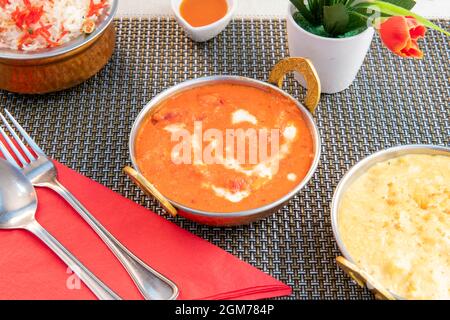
<point>41,171</point>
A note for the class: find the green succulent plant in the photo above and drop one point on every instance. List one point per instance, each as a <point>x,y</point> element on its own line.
<point>344,18</point>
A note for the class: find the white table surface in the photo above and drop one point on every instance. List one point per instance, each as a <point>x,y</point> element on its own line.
<point>268,8</point>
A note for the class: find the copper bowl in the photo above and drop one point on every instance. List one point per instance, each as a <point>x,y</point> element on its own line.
<point>62,67</point>
<point>247,216</point>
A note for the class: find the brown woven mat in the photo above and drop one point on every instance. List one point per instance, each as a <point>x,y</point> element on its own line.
<point>393,101</point>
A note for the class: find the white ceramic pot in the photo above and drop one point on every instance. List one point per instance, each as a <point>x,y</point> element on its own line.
<point>205,33</point>
<point>337,61</point>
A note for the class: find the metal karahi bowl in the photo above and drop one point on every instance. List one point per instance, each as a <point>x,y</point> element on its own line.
<point>220,218</point>
<point>355,172</point>
<point>61,67</point>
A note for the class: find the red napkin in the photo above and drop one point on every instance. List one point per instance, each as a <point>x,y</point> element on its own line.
<point>29,270</point>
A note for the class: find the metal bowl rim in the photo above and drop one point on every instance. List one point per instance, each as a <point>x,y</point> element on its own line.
<point>371,160</point>
<point>243,80</point>
<point>66,48</point>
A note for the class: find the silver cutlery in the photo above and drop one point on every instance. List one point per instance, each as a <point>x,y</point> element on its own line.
<point>18,205</point>
<point>41,171</point>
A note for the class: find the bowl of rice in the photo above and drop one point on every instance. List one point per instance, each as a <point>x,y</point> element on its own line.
<point>48,46</point>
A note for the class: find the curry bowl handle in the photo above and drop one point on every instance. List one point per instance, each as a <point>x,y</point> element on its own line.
<point>364,280</point>
<point>149,189</point>
<point>306,68</point>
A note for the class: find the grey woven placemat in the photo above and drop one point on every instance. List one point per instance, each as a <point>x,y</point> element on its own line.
<point>393,101</point>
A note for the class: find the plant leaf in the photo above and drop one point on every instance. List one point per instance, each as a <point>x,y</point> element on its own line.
<point>300,5</point>
<point>335,19</point>
<point>356,20</point>
<point>315,7</point>
<point>312,6</point>
<point>406,4</point>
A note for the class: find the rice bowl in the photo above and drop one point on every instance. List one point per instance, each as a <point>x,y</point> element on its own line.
<point>31,25</point>
<point>46,66</point>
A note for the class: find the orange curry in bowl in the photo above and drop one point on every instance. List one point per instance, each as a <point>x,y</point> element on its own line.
<point>225,147</point>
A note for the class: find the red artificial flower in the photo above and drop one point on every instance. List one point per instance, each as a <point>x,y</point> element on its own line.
<point>400,34</point>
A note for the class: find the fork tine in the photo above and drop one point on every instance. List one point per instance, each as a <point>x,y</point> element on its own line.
<point>17,139</point>
<point>13,147</point>
<point>7,155</point>
<point>25,135</point>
